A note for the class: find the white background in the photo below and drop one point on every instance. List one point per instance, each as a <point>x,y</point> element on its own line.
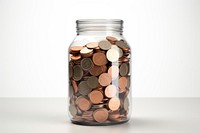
<point>164,36</point>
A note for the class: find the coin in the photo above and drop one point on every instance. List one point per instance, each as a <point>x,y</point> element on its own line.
<point>105,45</point>
<point>112,55</point>
<point>75,57</point>
<point>96,96</point>
<point>123,45</point>
<point>85,52</point>
<point>70,71</point>
<point>114,103</point>
<point>113,71</point>
<point>114,116</point>
<point>118,49</point>
<point>110,91</point>
<point>86,64</point>
<point>96,70</point>
<point>76,48</point>
<point>92,45</point>
<point>100,115</point>
<point>111,39</point>
<point>75,87</point>
<point>92,82</point>
<point>105,79</point>
<point>123,70</point>
<point>72,110</point>
<point>78,73</point>
<point>83,88</point>
<point>126,104</point>
<point>83,103</point>
<point>122,83</point>
<point>99,59</point>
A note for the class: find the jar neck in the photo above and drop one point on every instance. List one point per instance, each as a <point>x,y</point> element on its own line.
<point>99,26</point>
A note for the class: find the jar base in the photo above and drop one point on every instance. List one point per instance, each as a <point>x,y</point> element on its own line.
<point>85,123</point>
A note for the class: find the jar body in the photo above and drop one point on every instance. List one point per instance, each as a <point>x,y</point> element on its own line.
<point>99,79</point>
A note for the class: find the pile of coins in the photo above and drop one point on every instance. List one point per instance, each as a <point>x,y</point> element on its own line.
<point>99,82</point>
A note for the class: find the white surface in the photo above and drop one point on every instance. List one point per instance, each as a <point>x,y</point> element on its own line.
<point>35,35</point>
<point>150,115</point>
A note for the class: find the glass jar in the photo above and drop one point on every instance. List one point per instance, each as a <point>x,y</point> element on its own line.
<point>99,73</point>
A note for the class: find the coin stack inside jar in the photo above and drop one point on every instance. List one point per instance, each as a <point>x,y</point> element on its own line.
<point>99,81</point>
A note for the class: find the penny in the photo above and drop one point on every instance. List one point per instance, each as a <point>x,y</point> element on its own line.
<point>105,45</point>
<point>112,55</point>
<point>86,64</point>
<point>123,70</point>
<point>122,83</point>
<point>96,106</point>
<point>118,49</point>
<point>75,87</point>
<point>111,39</point>
<point>99,59</point>
<point>96,96</point>
<point>96,70</point>
<point>104,68</point>
<point>114,116</point>
<point>126,104</point>
<point>114,103</point>
<point>113,71</point>
<point>85,52</point>
<point>105,79</point>
<point>83,103</point>
<point>77,57</point>
<point>83,88</point>
<point>70,71</point>
<point>110,91</point>
<point>123,45</point>
<point>92,82</point>
<point>76,48</point>
<point>78,73</point>
<point>72,110</point>
<point>92,45</point>
<point>100,115</point>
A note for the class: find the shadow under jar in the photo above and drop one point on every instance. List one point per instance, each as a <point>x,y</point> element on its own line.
<point>99,73</point>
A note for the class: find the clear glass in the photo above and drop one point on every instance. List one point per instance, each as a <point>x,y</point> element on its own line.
<point>99,73</point>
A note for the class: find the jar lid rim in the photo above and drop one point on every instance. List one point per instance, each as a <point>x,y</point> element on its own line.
<point>99,21</point>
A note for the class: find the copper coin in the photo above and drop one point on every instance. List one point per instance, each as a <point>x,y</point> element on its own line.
<point>96,70</point>
<point>86,64</point>
<point>118,49</point>
<point>76,48</point>
<point>123,45</point>
<point>78,72</point>
<point>113,71</point>
<point>100,115</point>
<point>122,83</point>
<point>92,82</point>
<point>96,96</point>
<point>104,68</point>
<point>126,104</point>
<point>114,103</point>
<point>105,45</point>
<point>92,45</point>
<point>77,57</point>
<point>75,87</point>
<point>111,38</point>
<point>83,88</point>
<point>112,55</point>
<point>70,71</point>
<point>85,52</point>
<point>124,69</point>
<point>72,110</point>
<point>115,115</point>
<point>83,103</point>
<point>110,91</point>
<point>105,79</point>
<point>99,59</point>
